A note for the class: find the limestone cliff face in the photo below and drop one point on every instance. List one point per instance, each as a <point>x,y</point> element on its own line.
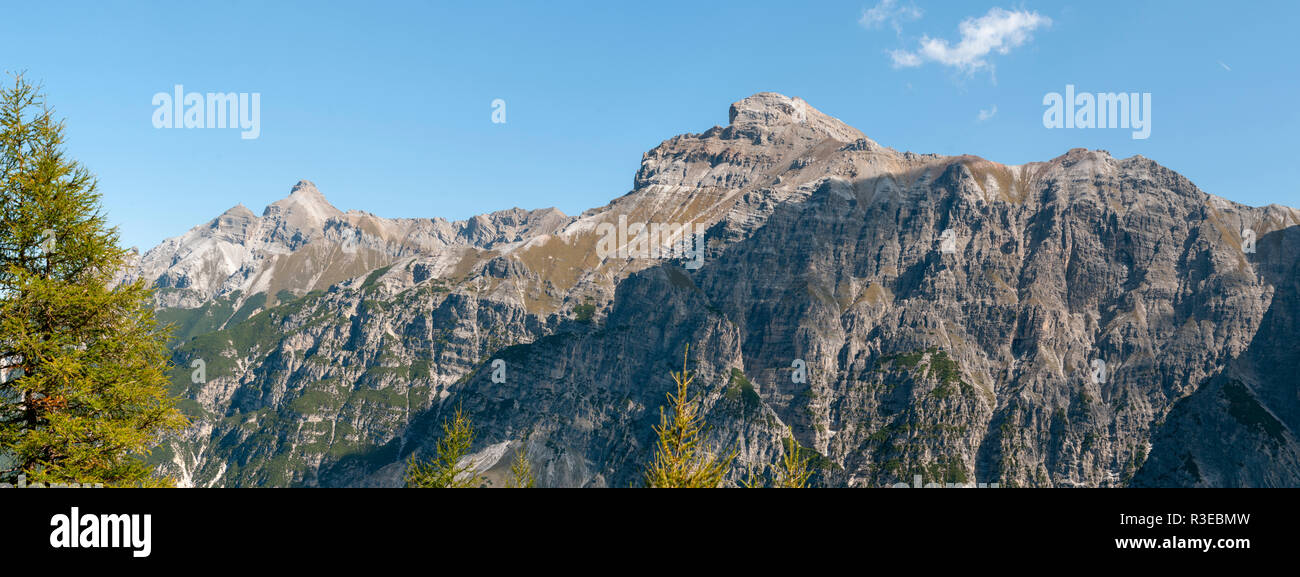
<point>1085,321</point>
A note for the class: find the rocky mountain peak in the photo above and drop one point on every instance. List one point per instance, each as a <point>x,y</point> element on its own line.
<point>238,211</point>
<point>768,134</point>
<point>306,187</point>
<point>234,223</point>
<point>305,206</point>
<point>774,111</point>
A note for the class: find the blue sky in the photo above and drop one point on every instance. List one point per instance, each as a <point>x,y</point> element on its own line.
<point>387,105</point>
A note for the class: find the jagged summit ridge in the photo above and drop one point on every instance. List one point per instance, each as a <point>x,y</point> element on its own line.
<point>302,242</point>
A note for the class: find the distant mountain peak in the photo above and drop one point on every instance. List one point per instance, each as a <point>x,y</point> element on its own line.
<point>306,203</point>
<point>239,210</point>
<point>305,187</point>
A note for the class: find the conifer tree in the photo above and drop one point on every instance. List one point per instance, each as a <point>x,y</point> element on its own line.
<point>521,472</point>
<point>680,460</point>
<point>446,470</point>
<point>792,472</point>
<point>83,385</point>
<point>795,467</point>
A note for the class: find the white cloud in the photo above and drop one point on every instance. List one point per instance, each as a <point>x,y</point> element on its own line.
<point>904,59</point>
<point>889,11</point>
<point>998,31</point>
<point>987,114</point>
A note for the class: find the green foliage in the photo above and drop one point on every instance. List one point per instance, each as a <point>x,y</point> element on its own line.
<point>946,470</point>
<point>212,316</point>
<point>795,467</point>
<point>793,471</point>
<point>521,473</point>
<point>84,396</point>
<point>189,323</point>
<point>373,277</point>
<point>1089,441</point>
<point>447,471</point>
<point>251,305</point>
<point>943,368</point>
<point>902,360</point>
<point>584,312</point>
<point>816,461</point>
<point>740,389</point>
<point>938,366</point>
<point>680,460</point>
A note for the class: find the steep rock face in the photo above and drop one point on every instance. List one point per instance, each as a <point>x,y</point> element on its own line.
<point>1239,429</point>
<point>1083,321</point>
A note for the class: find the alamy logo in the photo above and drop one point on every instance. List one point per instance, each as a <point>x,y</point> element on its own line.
<point>948,241</point>
<point>918,483</point>
<point>200,374</point>
<point>1097,372</point>
<point>47,241</point>
<point>799,375</point>
<point>1248,241</point>
<point>352,239</point>
<point>498,371</point>
<point>656,240</point>
<point>1101,110</point>
<point>498,111</point>
<point>180,109</point>
<point>102,531</point>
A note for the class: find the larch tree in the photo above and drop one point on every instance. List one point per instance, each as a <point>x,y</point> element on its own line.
<point>449,469</point>
<point>795,469</point>
<point>521,472</point>
<point>83,362</point>
<point>680,459</point>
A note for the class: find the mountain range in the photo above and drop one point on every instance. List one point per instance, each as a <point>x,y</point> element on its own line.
<point>1082,321</point>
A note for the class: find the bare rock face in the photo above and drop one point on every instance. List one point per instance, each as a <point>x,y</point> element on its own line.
<point>1084,321</point>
